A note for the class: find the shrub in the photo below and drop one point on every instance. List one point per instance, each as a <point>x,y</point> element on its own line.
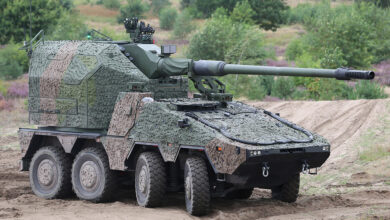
<point>183,24</point>
<point>18,90</point>
<point>283,88</point>
<point>3,89</point>
<point>13,62</point>
<point>158,5</point>
<point>111,4</point>
<point>167,18</point>
<point>133,8</point>
<point>223,39</point>
<point>353,36</point>
<point>368,90</point>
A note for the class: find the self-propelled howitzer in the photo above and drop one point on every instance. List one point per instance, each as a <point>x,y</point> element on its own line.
<point>105,106</point>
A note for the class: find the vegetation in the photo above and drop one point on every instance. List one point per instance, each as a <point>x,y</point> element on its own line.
<point>111,4</point>
<point>183,24</point>
<point>268,14</point>
<point>167,18</point>
<point>158,5</point>
<point>133,8</point>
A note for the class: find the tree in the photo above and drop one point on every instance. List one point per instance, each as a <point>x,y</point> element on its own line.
<point>269,14</point>
<point>15,22</point>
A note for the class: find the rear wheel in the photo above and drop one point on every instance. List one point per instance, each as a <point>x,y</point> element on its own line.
<point>150,179</point>
<point>50,173</point>
<point>240,194</point>
<point>92,178</point>
<point>288,192</point>
<point>196,186</point>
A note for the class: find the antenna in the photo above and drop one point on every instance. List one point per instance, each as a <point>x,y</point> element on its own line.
<point>30,50</point>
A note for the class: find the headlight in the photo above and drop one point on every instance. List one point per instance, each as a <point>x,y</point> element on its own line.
<point>254,153</point>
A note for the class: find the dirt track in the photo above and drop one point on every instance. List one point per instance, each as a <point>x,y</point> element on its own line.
<point>346,187</point>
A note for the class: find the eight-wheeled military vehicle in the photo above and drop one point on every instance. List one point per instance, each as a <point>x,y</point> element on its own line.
<point>105,107</point>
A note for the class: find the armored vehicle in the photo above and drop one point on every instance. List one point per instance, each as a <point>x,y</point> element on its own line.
<point>107,109</point>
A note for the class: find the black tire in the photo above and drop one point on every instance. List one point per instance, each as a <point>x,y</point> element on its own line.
<point>92,178</point>
<point>150,179</point>
<point>196,186</point>
<point>288,192</point>
<point>50,173</point>
<point>240,194</point>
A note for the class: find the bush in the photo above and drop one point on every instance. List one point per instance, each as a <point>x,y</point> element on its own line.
<point>354,36</point>
<point>133,8</point>
<point>111,4</point>
<point>368,90</point>
<point>167,18</point>
<point>18,90</point>
<point>158,5</point>
<point>183,24</point>
<point>223,39</point>
<point>283,88</point>
<point>13,62</point>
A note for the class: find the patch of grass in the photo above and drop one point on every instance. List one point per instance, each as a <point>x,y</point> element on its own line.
<point>284,35</point>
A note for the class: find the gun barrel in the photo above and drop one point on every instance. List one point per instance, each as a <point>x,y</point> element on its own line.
<point>219,68</point>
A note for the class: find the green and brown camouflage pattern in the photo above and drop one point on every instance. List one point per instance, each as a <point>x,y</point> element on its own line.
<point>124,96</point>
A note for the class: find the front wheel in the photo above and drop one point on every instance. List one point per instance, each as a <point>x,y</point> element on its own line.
<point>287,192</point>
<point>196,186</point>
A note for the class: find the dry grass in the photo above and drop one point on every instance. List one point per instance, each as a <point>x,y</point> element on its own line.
<point>283,36</point>
<point>294,3</point>
<point>96,10</point>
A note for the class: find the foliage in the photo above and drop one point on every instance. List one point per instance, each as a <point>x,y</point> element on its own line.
<point>243,12</point>
<point>368,90</point>
<point>354,36</point>
<point>69,27</point>
<point>15,22</point>
<point>251,87</point>
<point>183,24</point>
<point>158,5</point>
<point>167,18</point>
<point>13,62</point>
<point>111,4</point>
<point>269,14</point>
<point>223,39</point>
<point>3,88</point>
<point>133,8</point>
<point>283,87</point>
<point>379,3</point>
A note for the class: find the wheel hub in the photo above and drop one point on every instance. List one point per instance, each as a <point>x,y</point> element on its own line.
<point>188,187</point>
<point>142,179</point>
<point>88,175</point>
<point>47,172</point>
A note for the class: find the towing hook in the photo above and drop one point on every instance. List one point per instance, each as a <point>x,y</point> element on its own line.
<point>265,169</point>
<point>305,167</point>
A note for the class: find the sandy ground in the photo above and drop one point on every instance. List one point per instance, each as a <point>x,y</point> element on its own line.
<point>346,187</point>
